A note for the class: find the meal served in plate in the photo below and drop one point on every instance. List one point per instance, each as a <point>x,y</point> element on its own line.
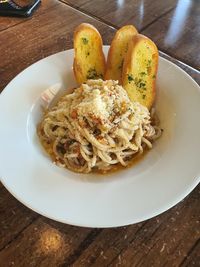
<point>101,125</point>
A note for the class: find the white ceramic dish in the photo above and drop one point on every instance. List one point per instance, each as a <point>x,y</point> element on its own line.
<point>160,180</point>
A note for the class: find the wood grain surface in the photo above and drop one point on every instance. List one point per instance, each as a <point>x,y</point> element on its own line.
<point>178,33</point>
<point>29,239</point>
<point>140,13</point>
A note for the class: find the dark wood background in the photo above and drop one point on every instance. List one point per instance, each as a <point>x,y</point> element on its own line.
<point>170,239</point>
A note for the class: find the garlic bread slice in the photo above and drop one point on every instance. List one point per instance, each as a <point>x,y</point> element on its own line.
<point>140,70</point>
<point>117,51</point>
<point>89,59</point>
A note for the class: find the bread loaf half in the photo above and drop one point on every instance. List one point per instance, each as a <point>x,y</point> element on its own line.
<point>117,52</point>
<point>140,70</point>
<point>89,60</point>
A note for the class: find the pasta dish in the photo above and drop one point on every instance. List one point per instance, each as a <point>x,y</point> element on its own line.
<point>96,127</point>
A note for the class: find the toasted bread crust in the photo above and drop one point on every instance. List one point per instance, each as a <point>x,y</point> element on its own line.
<point>140,70</point>
<point>89,60</point>
<point>117,51</point>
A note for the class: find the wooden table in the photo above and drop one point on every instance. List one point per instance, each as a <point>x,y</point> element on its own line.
<point>170,239</point>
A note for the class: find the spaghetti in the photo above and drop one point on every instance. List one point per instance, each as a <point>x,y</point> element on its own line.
<point>96,127</point>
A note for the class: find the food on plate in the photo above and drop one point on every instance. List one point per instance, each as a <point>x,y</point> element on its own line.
<point>96,127</point>
<point>89,59</point>
<point>140,70</point>
<point>102,125</point>
<point>117,52</point>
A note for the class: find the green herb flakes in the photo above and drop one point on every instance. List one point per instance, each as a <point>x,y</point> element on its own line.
<point>149,66</point>
<point>85,40</point>
<point>121,65</point>
<point>130,78</point>
<point>143,73</point>
<point>149,62</point>
<point>140,83</point>
<point>92,74</point>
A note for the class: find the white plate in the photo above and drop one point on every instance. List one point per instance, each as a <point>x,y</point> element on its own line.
<point>161,179</point>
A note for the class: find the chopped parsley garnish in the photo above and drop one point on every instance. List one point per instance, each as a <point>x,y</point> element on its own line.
<point>121,65</point>
<point>143,73</point>
<point>130,78</point>
<point>143,96</point>
<point>149,63</point>
<point>85,40</point>
<point>92,74</point>
<point>140,83</point>
<point>126,48</point>
<point>149,66</point>
<point>154,76</point>
<point>87,54</point>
